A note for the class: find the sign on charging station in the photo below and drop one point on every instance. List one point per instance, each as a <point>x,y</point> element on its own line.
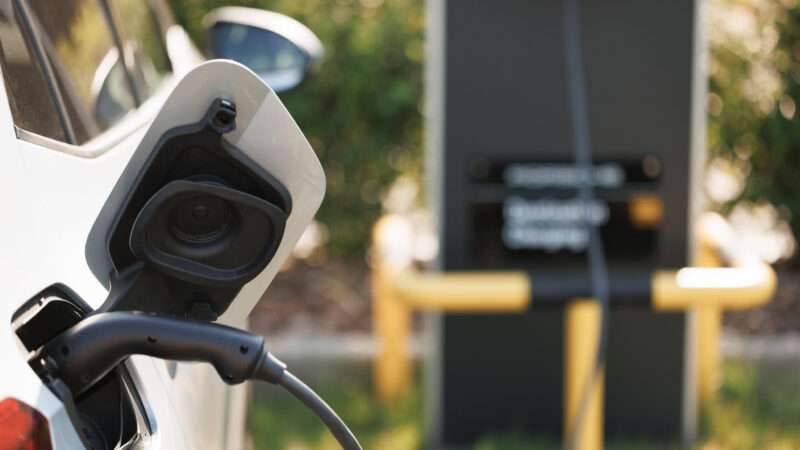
<point>504,192</point>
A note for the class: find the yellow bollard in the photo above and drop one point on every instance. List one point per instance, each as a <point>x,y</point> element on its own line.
<point>398,290</point>
<point>392,326</point>
<point>391,318</point>
<point>581,330</point>
<point>709,324</point>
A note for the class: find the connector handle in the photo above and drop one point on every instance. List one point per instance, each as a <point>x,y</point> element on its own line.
<point>83,354</point>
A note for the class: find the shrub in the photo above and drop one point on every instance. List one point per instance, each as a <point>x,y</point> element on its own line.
<point>754,91</point>
<point>362,110</point>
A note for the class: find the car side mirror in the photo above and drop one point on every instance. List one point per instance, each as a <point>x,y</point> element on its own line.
<point>281,50</point>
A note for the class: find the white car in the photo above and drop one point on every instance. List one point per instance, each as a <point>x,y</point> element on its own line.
<point>104,105</point>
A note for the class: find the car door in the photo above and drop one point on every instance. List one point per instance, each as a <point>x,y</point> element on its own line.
<point>77,128</point>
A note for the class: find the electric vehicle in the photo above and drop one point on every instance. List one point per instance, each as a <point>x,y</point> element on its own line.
<point>131,172</point>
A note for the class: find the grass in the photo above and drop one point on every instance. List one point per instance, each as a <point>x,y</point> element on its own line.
<point>757,408</point>
<point>279,422</point>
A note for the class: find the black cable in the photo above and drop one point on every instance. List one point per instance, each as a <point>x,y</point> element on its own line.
<point>273,370</point>
<point>583,160</point>
<point>328,416</point>
<point>83,354</point>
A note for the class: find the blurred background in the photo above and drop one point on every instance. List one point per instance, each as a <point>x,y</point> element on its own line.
<point>363,114</point>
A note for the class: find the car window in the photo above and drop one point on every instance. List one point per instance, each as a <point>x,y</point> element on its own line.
<point>90,69</point>
<point>143,43</point>
<point>31,106</point>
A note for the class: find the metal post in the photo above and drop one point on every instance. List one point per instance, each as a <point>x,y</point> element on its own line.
<point>391,321</point>
<point>709,325</point>
<point>581,330</point>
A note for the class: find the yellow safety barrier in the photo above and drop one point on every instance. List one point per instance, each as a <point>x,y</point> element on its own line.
<point>708,319</point>
<point>581,328</point>
<point>399,290</point>
<point>733,288</point>
<point>463,291</point>
<point>392,323</point>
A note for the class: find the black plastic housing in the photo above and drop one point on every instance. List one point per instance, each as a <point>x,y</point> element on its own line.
<point>229,256</point>
<point>201,220</point>
<point>86,352</point>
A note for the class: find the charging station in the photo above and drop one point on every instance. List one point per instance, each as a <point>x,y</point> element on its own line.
<point>503,186</point>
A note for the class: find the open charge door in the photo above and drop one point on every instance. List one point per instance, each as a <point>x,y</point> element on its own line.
<point>211,202</point>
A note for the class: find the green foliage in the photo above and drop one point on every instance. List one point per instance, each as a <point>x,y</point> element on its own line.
<point>279,421</point>
<point>754,93</point>
<point>361,111</point>
<point>757,407</point>
<point>513,441</point>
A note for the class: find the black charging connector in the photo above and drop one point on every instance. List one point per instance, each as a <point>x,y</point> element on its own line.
<point>86,352</point>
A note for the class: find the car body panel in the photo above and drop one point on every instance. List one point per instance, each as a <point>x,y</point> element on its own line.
<point>58,205</point>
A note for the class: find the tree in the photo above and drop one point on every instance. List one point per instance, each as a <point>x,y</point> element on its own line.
<point>362,110</point>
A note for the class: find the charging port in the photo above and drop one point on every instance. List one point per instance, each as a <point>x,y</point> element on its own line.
<point>110,414</point>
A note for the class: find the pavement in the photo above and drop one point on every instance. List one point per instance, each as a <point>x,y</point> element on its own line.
<point>361,347</point>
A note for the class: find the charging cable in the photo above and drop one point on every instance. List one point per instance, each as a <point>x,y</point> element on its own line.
<point>85,353</point>
<point>583,160</point>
